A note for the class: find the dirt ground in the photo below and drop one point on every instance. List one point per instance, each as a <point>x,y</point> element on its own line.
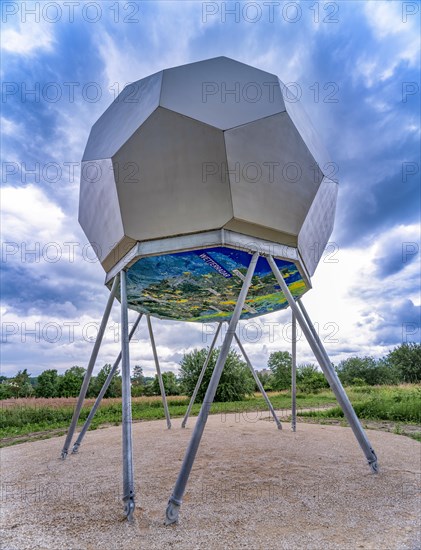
<point>252,486</point>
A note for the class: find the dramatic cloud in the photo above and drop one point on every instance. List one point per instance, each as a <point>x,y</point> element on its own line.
<point>26,38</point>
<point>396,249</point>
<point>356,68</point>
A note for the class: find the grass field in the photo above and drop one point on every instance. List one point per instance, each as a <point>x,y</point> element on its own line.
<point>21,417</point>
<point>397,404</point>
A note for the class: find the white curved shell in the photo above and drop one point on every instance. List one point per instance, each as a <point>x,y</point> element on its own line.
<point>209,145</point>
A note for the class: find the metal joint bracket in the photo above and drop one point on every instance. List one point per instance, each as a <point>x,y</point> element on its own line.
<point>373,463</point>
<point>129,506</point>
<point>172,511</point>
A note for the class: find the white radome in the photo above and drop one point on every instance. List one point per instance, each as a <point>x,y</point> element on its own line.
<point>206,146</point>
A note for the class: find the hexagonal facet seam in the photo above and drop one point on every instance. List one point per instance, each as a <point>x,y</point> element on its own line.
<point>135,132</point>
<point>108,109</point>
<point>307,149</point>
<point>272,79</point>
<point>315,196</point>
<point>230,59</point>
<point>229,182</point>
<point>196,120</point>
<point>283,86</point>
<point>255,120</point>
<point>235,217</point>
<point>80,204</point>
<point>248,222</point>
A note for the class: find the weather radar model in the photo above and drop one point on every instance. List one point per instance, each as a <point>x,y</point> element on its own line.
<point>205,193</point>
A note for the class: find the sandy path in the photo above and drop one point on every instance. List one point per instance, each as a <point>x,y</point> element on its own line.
<point>252,486</point>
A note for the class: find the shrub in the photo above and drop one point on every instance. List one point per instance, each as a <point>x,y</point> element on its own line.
<point>310,379</point>
<point>236,380</point>
<point>280,363</point>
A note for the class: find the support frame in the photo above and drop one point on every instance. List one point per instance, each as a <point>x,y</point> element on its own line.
<point>103,391</point>
<point>299,314</point>
<point>174,503</point>
<point>294,373</point>
<point>89,370</point>
<point>328,370</point>
<point>126,397</point>
<point>258,382</point>
<point>201,375</point>
<point>158,371</point>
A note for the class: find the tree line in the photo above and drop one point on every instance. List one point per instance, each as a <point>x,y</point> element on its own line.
<point>401,365</point>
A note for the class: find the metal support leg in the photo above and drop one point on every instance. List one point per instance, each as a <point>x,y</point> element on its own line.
<point>158,371</point>
<point>89,370</point>
<point>326,366</point>
<point>128,481</point>
<point>103,391</point>
<point>313,331</point>
<point>259,384</point>
<point>294,374</point>
<point>180,485</point>
<point>201,375</point>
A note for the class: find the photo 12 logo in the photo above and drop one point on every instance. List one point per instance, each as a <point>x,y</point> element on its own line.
<point>70,12</point>
<point>269,12</point>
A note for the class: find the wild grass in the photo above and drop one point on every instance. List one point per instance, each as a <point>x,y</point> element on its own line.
<point>27,416</point>
<point>395,403</point>
<point>392,403</point>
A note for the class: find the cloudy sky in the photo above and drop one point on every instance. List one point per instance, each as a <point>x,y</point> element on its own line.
<point>357,67</point>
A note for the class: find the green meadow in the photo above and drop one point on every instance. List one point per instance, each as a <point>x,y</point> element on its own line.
<point>399,405</point>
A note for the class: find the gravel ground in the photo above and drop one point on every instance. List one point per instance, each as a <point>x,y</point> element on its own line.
<point>252,486</point>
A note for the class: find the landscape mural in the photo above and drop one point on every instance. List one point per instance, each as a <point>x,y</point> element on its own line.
<point>203,285</point>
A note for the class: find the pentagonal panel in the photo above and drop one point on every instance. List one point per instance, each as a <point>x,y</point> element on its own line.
<point>221,92</point>
<point>123,117</point>
<point>307,131</point>
<point>176,186</point>
<point>99,210</point>
<point>273,176</point>
<point>318,225</point>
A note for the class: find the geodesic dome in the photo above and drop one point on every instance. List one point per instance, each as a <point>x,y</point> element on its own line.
<point>189,166</point>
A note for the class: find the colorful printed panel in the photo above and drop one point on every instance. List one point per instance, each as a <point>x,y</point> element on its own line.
<point>203,285</point>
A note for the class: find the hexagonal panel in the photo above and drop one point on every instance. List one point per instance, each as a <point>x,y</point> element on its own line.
<point>221,92</point>
<point>318,225</point>
<point>170,194</point>
<point>273,176</point>
<point>99,210</point>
